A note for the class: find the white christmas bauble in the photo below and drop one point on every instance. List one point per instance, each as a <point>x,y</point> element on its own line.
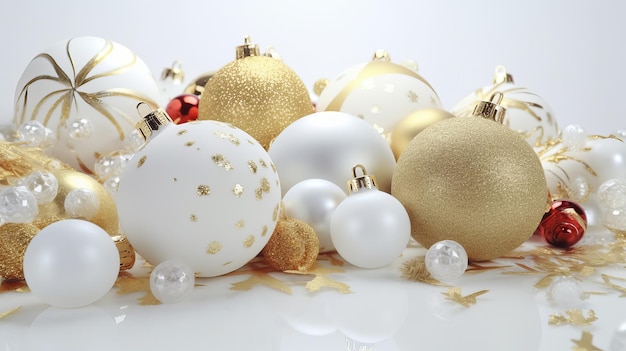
<point>89,79</point>
<point>327,145</point>
<point>314,201</point>
<point>380,92</point>
<point>71,263</point>
<point>204,192</point>
<point>526,112</point>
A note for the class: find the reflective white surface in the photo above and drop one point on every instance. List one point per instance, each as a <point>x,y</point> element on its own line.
<point>384,311</point>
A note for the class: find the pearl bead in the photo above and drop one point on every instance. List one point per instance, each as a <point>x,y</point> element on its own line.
<point>574,137</point>
<point>82,203</point>
<point>32,132</point>
<point>81,128</point>
<point>612,194</point>
<point>171,281</point>
<point>18,205</point>
<point>446,260</point>
<point>44,185</point>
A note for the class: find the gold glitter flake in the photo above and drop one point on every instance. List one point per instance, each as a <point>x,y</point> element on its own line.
<point>213,248</point>
<point>262,163</point>
<point>9,312</point>
<point>230,137</point>
<point>413,97</point>
<point>258,193</point>
<point>252,166</point>
<point>573,316</point>
<point>193,218</point>
<point>585,343</point>
<point>13,285</point>
<point>454,294</point>
<point>238,190</point>
<point>227,263</point>
<point>275,213</point>
<point>182,131</point>
<point>203,190</point>
<point>264,231</point>
<point>415,270</point>
<point>141,161</point>
<point>273,167</point>
<point>190,143</point>
<point>222,162</point>
<point>128,284</point>
<point>240,224</point>
<point>249,241</point>
<point>264,188</point>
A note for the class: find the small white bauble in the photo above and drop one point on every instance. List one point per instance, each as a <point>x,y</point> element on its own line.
<point>380,92</point>
<point>446,260</point>
<point>203,192</point>
<point>370,228</point>
<point>88,79</point>
<point>171,281</point>
<point>526,112</point>
<point>326,144</point>
<point>71,263</point>
<point>314,202</point>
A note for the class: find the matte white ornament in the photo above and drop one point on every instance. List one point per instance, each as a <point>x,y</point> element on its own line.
<point>370,228</point>
<point>81,84</point>
<point>71,263</point>
<point>324,144</point>
<point>202,192</point>
<point>314,202</point>
<point>171,281</point>
<point>446,260</point>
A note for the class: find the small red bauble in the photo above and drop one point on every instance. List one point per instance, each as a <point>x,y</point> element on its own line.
<point>183,108</point>
<point>564,225</point>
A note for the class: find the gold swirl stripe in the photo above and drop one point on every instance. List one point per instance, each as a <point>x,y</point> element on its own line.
<point>80,78</point>
<point>371,70</point>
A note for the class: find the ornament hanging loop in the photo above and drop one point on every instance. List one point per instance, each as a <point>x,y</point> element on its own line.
<point>152,120</point>
<point>501,76</point>
<point>381,55</point>
<point>491,109</point>
<point>362,181</point>
<point>247,49</point>
<point>174,73</point>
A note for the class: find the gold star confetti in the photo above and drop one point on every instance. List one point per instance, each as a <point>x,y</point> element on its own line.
<point>585,343</point>
<point>252,166</point>
<point>13,285</point>
<point>213,248</point>
<point>9,312</point>
<point>573,316</point>
<point>262,163</point>
<point>203,190</point>
<point>322,280</point>
<point>141,161</point>
<point>259,275</point>
<point>249,241</point>
<point>128,284</point>
<point>454,294</point>
<point>415,270</point>
<point>607,280</point>
<point>413,97</point>
<point>221,161</point>
<point>238,190</point>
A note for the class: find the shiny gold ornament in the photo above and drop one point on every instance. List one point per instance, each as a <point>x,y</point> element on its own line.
<point>196,86</point>
<point>294,245</point>
<point>69,180</point>
<point>474,181</point>
<point>14,239</point>
<point>126,250</point>
<point>412,124</point>
<point>258,94</point>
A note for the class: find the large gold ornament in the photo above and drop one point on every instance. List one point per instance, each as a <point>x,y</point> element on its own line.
<point>412,124</point>
<point>88,79</point>
<point>527,112</point>
<point>473,181</point>
<point>14,239</point>
<point>258,94</point>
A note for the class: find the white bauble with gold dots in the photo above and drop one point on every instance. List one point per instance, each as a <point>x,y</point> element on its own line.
<point>526,112</point>
<point>205,193</point>
<point>85,89</point>
<point>380,92</point>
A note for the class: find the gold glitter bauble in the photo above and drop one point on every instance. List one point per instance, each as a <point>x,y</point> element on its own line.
<point>258,94</point>
<point>293,246</point>
<point>69,180</point>
<point>14,239</point>
<point>412,124</point>
<point>474,181</point>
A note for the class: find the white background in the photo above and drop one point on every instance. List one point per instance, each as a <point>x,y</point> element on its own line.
<point>570,52</point>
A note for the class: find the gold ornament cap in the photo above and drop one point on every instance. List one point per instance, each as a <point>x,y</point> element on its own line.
<point>381,55</point>
<point>247,49</point>
<point>502,76</point>
<point>152,120</point>
<point>491,109</point>
<point>359,182</point>
<point>175,74</point>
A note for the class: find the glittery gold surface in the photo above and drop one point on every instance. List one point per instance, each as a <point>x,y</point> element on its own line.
<point>17,161</point>
<point>14,239</point>
<point>408,127</point>
<point>415,270</point>
<point>473,181</point>
<point>126,251</point>
<point>258,94</point>
<point>293,246</point>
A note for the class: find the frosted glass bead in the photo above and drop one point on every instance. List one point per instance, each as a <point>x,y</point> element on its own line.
<point>82,203</point>
<point>574,137</point>
<point>566,292</point>
<point>18,205</point>
<point>133,141</point>
<point>615,220</point>
<point>580,188</point>
<point>171,281</point>
<point>32,132</point>
<point>81,128</point>
<point>446,260</point>
<point>44,185</point>
<point>112,165</point>
<point>112,184</point>
<point>612,194</point>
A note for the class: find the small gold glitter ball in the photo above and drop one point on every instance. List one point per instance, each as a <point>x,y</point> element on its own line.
<point>294,245</point>
<point>14,239</point>
<point>258,94</point>
<point>412,124</point>
<point>474,181</point>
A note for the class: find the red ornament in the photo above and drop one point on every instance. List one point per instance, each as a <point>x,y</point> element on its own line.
<point>564,225</point>
<point>183,108</point>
